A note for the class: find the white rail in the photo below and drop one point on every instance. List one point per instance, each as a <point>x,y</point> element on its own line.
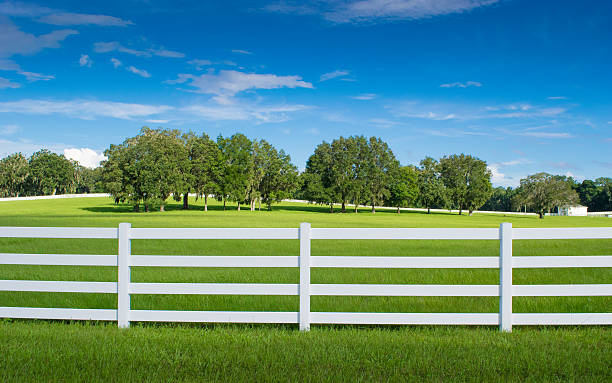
<point>124,288</point>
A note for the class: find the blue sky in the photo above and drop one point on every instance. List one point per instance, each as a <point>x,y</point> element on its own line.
<point>524,85</point>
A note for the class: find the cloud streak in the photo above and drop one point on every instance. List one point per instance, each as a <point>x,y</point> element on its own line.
<point>115,46</point>
<point>227,83</point>
<point>462,84</point>
<point>83,109</point>
<point>375,11</point>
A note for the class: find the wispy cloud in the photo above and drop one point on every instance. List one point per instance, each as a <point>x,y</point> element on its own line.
<point>227,83</point>
<point>85,60</point>
<point>115,46</point>
<point>6,83</point>
<point>334,74</point>
<point>140,72</point>
<point>557,98</point>
<point>372,11</point>
<point>365,96</point>
<point>242,52</point>
<point>462,84</point>
<point>244,112</point>
<point>57,17</point>
<point>14,41</point>
<point>547,134</point>
<point>83,109</point>
<point>116,63</point>
<point>85,156</point>
<point>200,64</point>
<point>9,129</point>
<point>68,18</point>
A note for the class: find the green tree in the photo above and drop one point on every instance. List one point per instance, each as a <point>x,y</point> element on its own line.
<point>543,191</point>
<point>317,179</point>
<point>51,173</point>
<point>278,176</point>
<point>381,164</point>
<point>206,166</point>
<point>467,179</point>
<point>238,168</point>
<point>404,187</point>
<point>432,192</point>
<point>14,171</point>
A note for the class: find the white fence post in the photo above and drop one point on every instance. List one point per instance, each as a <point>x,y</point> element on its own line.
<point>505,277</point>
<point>304,316</point>
<point>123,277</point>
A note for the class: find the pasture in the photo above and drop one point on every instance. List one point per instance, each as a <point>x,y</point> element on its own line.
<point>57,350</point>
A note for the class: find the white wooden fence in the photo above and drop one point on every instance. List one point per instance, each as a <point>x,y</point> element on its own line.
<point>124,288</point>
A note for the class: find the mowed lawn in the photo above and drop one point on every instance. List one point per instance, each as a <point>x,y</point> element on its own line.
<point>56,350</point>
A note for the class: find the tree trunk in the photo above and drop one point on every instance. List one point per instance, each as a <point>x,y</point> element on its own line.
<point>238,206</point>
<point>356,206</point>
<point>541,213</point>
<point>162,207</point>
<point>205,202</point>
<point>373,209</point>
<point>252,205</point>
<point>470,213</point>
<point>460,210</point>
<point>137,207</point>
<point>146,208</point>
<point>343,207</point>
<point>186,201</point>
<point>259,203</point>
<point>331,207</point>
<point>223,203</point>
<point>398,210</point>
<point>428,210</point>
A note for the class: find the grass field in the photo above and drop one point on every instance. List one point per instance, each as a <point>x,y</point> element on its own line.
<point>223,352</point>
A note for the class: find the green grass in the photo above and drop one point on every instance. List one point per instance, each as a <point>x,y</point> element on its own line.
<point>72,351</point>
<point>55,351</point>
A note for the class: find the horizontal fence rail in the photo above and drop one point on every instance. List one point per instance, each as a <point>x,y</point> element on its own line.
<point>125,260</point>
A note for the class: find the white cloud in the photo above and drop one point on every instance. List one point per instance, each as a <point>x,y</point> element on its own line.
<point>13,41</point>
<point>242,52</point>
<point>85,156</point>
<point>501,179</point>
<point>8,129</point>
<point>557,98</point>
<point>462,84</point>
<point>140,72</point>
<point>547,134</point>
<point>116,63</point>
<point>32,77</point>
<point>365,96</point>
<point>383,123</point>
<point>227,83</point>
<point>199,64</point>
<point>115,46</point>
<point>243,112</point>
<point>82,109</point>
<point>85,60</point>
<point>58,17</point>
<point>6,83</point>
<point>334,74</point>
<point>157,121</point>
<point>370,11</point>
<point>68,18</point>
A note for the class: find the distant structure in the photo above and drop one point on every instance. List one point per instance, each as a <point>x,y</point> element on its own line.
<point>575,211</point>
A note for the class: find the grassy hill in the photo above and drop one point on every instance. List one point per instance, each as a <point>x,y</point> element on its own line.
<point>56,350</point>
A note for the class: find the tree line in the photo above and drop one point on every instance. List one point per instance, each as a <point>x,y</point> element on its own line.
<point>147,169</point>
<point>45,173</point>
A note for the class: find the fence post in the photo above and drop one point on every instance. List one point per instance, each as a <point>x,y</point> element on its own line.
<point>505,277</point>
<point>304,315</point>
<point>123,277</point>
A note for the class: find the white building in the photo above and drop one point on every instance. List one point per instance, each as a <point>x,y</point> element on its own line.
<point>576,211</point>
